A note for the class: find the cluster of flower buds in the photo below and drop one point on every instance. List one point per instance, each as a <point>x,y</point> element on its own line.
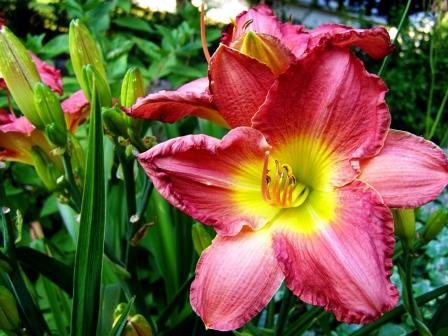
<point>136,325</point>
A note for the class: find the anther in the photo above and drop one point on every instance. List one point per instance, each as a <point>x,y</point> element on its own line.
<point>247,24</point>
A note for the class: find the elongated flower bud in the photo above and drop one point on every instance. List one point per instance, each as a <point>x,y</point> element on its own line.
<point>48,106</point>
<point>9,316</point>
<point>83,51</point>
<point>434,225</point>
<point>20,74</point>
<point>201,238</point>
<point>101,85</point>
<point>45,168</point>
<point>115,121</point>
<point>56,135</point>
<point>140,325</point>
<point>404,220</point>
<point>132,87</point>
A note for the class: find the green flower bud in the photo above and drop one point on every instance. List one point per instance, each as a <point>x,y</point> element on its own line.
<point>45,168</point>
<point>83,51</point>
<point>132,87</point>
<point>115,121</point>
<point>435,224</point>
<point>20,74</point>
<point>56,135</point>
<point>404,220</point>
<point>9,316</point>
<point>48,106</point>
<point>101,85</point>
<point>140,325</point>
<point>77,157</point>
<point>201,238</point>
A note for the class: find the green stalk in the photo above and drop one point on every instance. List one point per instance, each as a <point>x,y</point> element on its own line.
<point>432,68</point>
<point>438,116</point>
<point>408,295</point>
<point>174,303</point>
<point>72,186</point>
<point>305,321</point>
<point>270,314</point>
<point>400,26</point>
<point>399,310</point>
<point>284,311</point>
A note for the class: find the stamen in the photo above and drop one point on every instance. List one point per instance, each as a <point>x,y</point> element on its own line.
<point>247,24</point>
<point>281,189</point>
<point>265,178</point>
<point>203,36</point>
<point>276,182</point>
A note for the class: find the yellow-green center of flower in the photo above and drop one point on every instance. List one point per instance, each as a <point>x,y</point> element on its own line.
<point>280,187</point>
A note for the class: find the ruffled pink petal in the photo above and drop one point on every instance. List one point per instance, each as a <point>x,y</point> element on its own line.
<point>408,172</point>
<point>374,41</point>
<point>48,74</point>
<point>9,123</point>
<point>76,109</point>
<point>207,179</point>
<point>239,85</point>
<point>328,97</point>
<point>235,278</point>
<point>169,106</point>
<point>345,264</point>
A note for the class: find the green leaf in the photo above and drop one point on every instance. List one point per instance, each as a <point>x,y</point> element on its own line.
<point>56,271</point>
<point>89,251</point>
<point>133,23</point>
<point>121,323</point>
<point>56,46</point>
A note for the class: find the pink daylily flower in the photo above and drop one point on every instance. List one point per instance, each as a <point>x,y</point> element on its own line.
<point>76,109</point>
<point>235,74</point>
<point>17,137</point>
<point>48,74</point>
<point>303,195</point>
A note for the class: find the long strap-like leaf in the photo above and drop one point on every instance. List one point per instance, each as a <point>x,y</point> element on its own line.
<point>89,251</point>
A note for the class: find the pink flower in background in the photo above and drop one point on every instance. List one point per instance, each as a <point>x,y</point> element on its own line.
<point>302,195</point>
<point>17,137</point>
<point>48,74</point>
<point>255,50</point>
<point>76,109</point>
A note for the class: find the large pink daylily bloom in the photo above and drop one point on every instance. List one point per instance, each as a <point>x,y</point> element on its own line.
<point>255,50</point>
<point>17,137</point>
<point>302,196</point>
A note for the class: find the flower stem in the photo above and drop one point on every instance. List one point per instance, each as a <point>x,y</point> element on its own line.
<point>432,67</point>
<point>400,26</point>
<point>284,311</point>
<point>73,188</point>
<point>409,301</point>
<point>438,116</point>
